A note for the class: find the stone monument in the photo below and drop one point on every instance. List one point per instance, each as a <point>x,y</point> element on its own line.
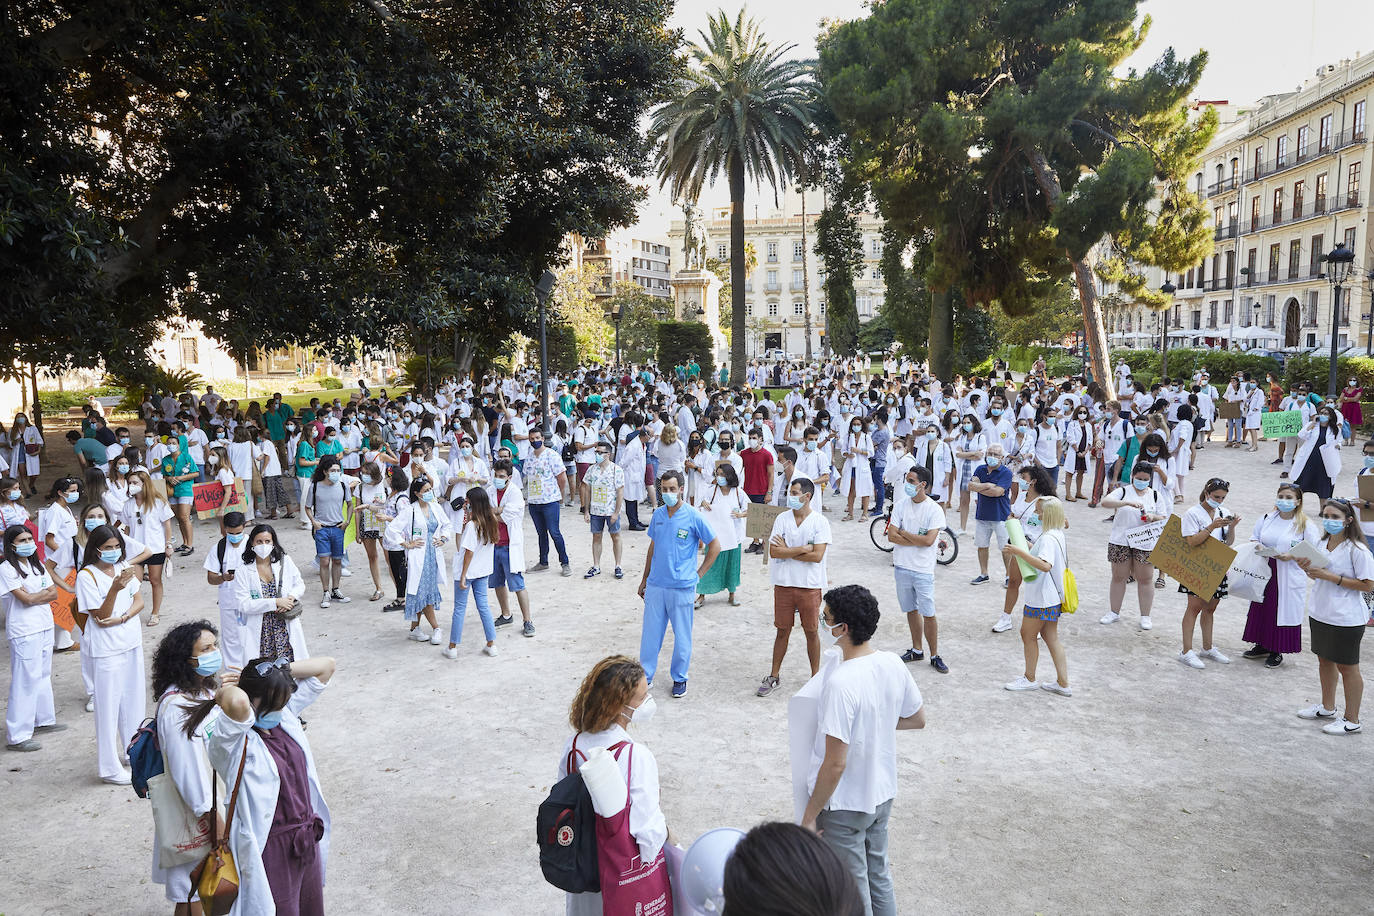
<point>696,290</point>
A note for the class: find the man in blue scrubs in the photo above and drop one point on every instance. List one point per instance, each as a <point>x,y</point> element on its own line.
<point>670,579</point>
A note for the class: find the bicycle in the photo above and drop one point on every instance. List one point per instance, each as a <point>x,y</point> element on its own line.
<point>946,543</point>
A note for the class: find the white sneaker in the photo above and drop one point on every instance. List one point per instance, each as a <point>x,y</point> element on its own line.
<point>1146,623</point>
<point>1021,684</point>
<point>1004,623</point>
<point>1316,711</point>
<point>347,572</point>
<point>120,779</point>
<point>434,639</point>
<point>1190,659</point>
<point>418,635</point>
<point>450,652</point>
<point>1053,687</point>
<point>1343,727</point>
<point>489,650</point>
<point>1215,655</point>
<point>1110,617</point>
<point>90,704</point>
<point>324,602</point>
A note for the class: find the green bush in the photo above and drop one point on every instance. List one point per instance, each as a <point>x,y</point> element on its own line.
<point>1305,367</point>
<point>330,382</point>
<point>983,369</point>
<point>58,401</point>
<point>683,341</point>
<point>1058,365</point>
<point>1184,361</point>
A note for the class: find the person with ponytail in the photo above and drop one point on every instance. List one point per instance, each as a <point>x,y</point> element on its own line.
<point>474,563</point>
<point>26,589</point>
<point>280,831</point>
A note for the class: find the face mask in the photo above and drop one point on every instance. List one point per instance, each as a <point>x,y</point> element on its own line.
<point>71,497</point>
<point>1333,525</point>
<point>93,523</point>
<point>236,538</point>
<point>1353,383</point>
<point>1152,452</point>
<point>1033,520</point>
<point>15,494</point>
<point>1215,504</point>
<point>911,489</point>
<point>268,720</point>
<point>811,445</point>
<point>835,637</point>
<point>968,427</point>
<point>996,411</point>
<point>993,461</point>
<point>135,488</point>
<point>643,712</point>
<point>932,436</point>
<point>1285,505</point>
<point>209,663</point>
<point>536,444</point>
<point>795,503</point>
<point>334,476</point>
<point>1140,430</point>
<point>1141,485</point>
<point>213,459</point>
<point>720,480</point>
<point>27,549</point>
<point>755,443</point>
<point>670,499</point>
<point>262,550</point>
<point>1321,420</point>
<point>122,468</point>
<point>174,446</point>
<point>501,482</point>
<point>1023,429</point>
<point>123,440</point>
<point>428,496</point>
<point>109,556</point>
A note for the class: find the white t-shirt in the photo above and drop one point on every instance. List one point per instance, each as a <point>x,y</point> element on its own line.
<point>482,555</point>
<point>24,619</point>
<point>268,449</point>
<point>860,705</point>
<point>585,438</point>
<point>233,560</point>
<point>814,529</point>
<point>1335,604</point>
<point>1127,518</point>
<point>241,457</point>
<point>92,585</point>
<point>919,518</point>
<point>146,525</point>
<point>1196,518</point>
<point>1045,590</point>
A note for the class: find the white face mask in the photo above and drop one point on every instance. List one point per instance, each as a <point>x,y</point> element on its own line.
<point>835,640</point>
<point>262,550</point>
<point>644,712</point>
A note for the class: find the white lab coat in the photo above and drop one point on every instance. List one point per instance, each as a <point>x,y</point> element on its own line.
<point>857,450</point>
<point>630,457</point>
<point>1330,451</point>
<point>943,465</point>
<point>257,800</point>
<point>1278,533</point>
<point>404,527</point>
<point>189,766</point>
<point>251,605</point>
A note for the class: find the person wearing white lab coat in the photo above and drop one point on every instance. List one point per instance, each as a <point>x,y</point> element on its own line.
<point>26,589</point>
<point>933,453</point>
<point>423,529</point>
<point>856,478</point>
<point>508,559</point>
<point>1318,461</point>
<point>107,589</point>
<point>185,666</point>
<point>1274,626</point>
<point>281,865</point>
<point>630,456</point>
<point>222,563</point>
<point>266,584</point>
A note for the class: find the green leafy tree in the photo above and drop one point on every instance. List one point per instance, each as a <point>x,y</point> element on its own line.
<point>640,313</point>
<point>743,110</point>
<point>1004,130</point>
<point>574,305</point>
<point>327,174</point>
<point>1055,317</point>
<point>839,242</point>
<point>906,302</point>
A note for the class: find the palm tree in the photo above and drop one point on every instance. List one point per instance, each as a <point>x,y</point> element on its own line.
<point>742,110</point>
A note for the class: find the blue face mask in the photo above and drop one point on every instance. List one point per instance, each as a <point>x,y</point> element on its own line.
<point>795,503</point>
<point>71,497</point>
<point>465,451</point>
<point>236,538</point>
<point>720,481</point>
<point>501,482</point>
<point>109,556</point>
<point>27,549</point>
<point>268,720</point>
<point>1285,505</point>
<point>209,663</point>
<point>810,445</point>
<point>1141,430</point>
<point>1321,419</point>
<point>911,489</point>
<point>93,523</point>
<point>1141,484</point>
<point>1333,525</point>
<point>1369,461</point>
<point>996,411</point>
<point>367,478</point>
<point>1213,503</point>
<point>993,461</point>
<point>429,496</point>
<point>670,499</point>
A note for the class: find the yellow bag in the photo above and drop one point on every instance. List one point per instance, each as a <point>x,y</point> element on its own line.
<point>216,879</point>
<point>1069,602</point>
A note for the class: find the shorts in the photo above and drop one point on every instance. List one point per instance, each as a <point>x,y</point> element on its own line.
<point>329,542</point>
<point>790,600</point>
<point>182,500</point>
<point>1221,590</point>
<point>603,522</point>
<point>369,535</point>
<point>157,559</point>
<point>501,574</point>
<point>1047,614</point>
<point>915,591</point>
<point>1120,553</point>
<point>761,497</point>
<point>983,531</point>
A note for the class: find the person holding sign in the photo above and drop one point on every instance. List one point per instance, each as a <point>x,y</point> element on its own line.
<point>1044,598</point>
<point>1138,505</point>
<point>1337,615</point>
<point>1209,518</point>
<point>1318,461</point>
<point>1274,625</point>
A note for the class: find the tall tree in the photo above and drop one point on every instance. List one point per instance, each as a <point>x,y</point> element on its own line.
<point>839,242</point>
<point>326,174</point>
<point>741,109</point>
<point>640,313</point>
<point>1001,127</point>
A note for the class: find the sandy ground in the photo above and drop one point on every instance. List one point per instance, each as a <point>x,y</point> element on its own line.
<point>1155,787</point>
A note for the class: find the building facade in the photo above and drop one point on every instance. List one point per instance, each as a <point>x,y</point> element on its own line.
<point>789,272</point>
<point>621,258</point>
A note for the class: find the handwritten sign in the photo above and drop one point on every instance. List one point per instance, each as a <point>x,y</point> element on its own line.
<point>759,523</point>
<point>1145,536</point>
<point>1279,423</point>
<point>1228,410</point>
<point>1198,569</point>
<point>209,497</point>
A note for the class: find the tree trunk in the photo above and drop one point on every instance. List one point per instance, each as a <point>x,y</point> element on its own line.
<point>1093,328</point>
<point>806,277</point>
<point>737,271</point>
<point>941,342</point>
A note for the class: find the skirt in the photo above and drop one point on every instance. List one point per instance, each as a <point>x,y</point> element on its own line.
<point>427,593</point>
<point>1336,644</point>
<point>1047,614</point>
<point>1220,593</point>
<point>1120,553</point>
<point>723,574</point>
<point>1262,621</point>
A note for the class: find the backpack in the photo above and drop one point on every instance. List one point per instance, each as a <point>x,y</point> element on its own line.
<point>219,553</point>
<point>568,453</point>
<point>565,830</point>
<point>145,756</point>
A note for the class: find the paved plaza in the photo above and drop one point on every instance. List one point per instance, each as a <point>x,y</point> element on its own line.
<point>1155,788</point>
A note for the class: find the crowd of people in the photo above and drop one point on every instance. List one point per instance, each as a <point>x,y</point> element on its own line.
<point>435,484</point>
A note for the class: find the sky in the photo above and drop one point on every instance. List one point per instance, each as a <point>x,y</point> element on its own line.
<point>1255,48</point>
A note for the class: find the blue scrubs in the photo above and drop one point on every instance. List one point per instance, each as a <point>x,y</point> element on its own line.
<point>671,587</point>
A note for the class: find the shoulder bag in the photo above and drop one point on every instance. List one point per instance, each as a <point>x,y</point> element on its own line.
<point>216,878</point>
<point>181,836</point>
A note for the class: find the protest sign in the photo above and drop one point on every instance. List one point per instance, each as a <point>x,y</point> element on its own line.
<point>759,524</point>
<point>1279,423</point>
<point>209,496</point>
<point>1198,569</point>
<point>1228,410</point>
<point>1145,536</point>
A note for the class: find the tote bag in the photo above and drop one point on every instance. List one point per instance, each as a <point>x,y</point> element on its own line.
<point>629,885</point>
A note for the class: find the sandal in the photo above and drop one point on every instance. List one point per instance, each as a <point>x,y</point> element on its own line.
<point>848,518</point>
<point>701,600</point>
<point>734,602</point>
<point>152,620</point>
<point>376,596</point>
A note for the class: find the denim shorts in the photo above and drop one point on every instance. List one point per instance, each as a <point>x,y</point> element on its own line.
<point>501,575</point>
<point>603,522</point>
<point>915,591</point>
<point>329,542</point>
<point>182,500</point>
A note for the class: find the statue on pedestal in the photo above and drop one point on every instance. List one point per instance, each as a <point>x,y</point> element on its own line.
<point>694,239</point>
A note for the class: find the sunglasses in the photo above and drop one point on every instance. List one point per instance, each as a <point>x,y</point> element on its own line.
<point>261,668</point>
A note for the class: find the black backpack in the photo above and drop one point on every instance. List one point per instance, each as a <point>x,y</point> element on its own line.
<point>565,830</point>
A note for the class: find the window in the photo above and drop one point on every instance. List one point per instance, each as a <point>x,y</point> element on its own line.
<point>1352,185</point>
<point>1254,212</point>
<point>1357,130</point>
<point>1304,137</point>
<point>1312,308</point>
<point>1230,269</point>
<point>1199,183</point>
<point>797,279</point>
<point>1216,217</point>
<point>1212,314</point>
<point>798,308</point>
<point>722,252</point>
<point>1294,258</point>
<point>772,281</point>
<point>1178,316</point>
<point>1268,311</point>
<point>1190,278</point>
<point>1281,152</point>
<point>798,249</point>
<point>1232,214</point>
<point>772,308</point>
<point>773,251</point>
<point>190,351</point>
<point>875,247</point>
<point>1259,162</point>
<point>865,306</point>
<point>1345,309</point>
<point>1299,188</point>
<point>1319,202</point>
<point>821,310</point>
<point>1314,264</point>
<point>1324,135</point>
<point>1278,206</point>
<point>1216,271</point>
<point>1274,263</point>
<point>749,310</point>
<point>1197,319</point>
<point>1251,264</point>
<point>875,274</point>
<point>1221,172</point>
<point>1350,239</point>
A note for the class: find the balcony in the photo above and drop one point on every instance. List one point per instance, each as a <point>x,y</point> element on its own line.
<point>772,287</point>
<point>1343,140</point>
<point>796,286</point>
<point>1221,187</point>
<point>1301,212</point>
<point>1229,231</point>
<point>1222,283</point>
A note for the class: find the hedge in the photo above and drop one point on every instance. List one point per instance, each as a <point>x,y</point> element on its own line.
<point>54,402</point>
<point>680,342</point>
<point>1184,361</point>
<point>330,382</point>
<point>1305,367</point>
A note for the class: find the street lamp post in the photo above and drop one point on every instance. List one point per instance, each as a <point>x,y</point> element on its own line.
<point>541,295</point>
<point>1256,323</point>
<point>1167,289</point>
<point>1369,335</point>
<point>615,317</point>
<point>1339,261</point>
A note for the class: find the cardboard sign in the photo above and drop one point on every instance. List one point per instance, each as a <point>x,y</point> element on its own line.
<point>209,496</point>
<point>64,605</point>
<point>1366,484</point>
<point>1198,569</point>
<point>1279,423</point>
<point>1228,410</point>
<point>1146,536</point>
<point>759,523</point>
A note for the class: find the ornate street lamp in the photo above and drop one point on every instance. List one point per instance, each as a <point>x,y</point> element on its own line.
<point>1339,261</point>
<point>1167,289</point>
<point>615,316</point>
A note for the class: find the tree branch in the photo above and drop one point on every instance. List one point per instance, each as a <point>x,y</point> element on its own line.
<point>77,37</point>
